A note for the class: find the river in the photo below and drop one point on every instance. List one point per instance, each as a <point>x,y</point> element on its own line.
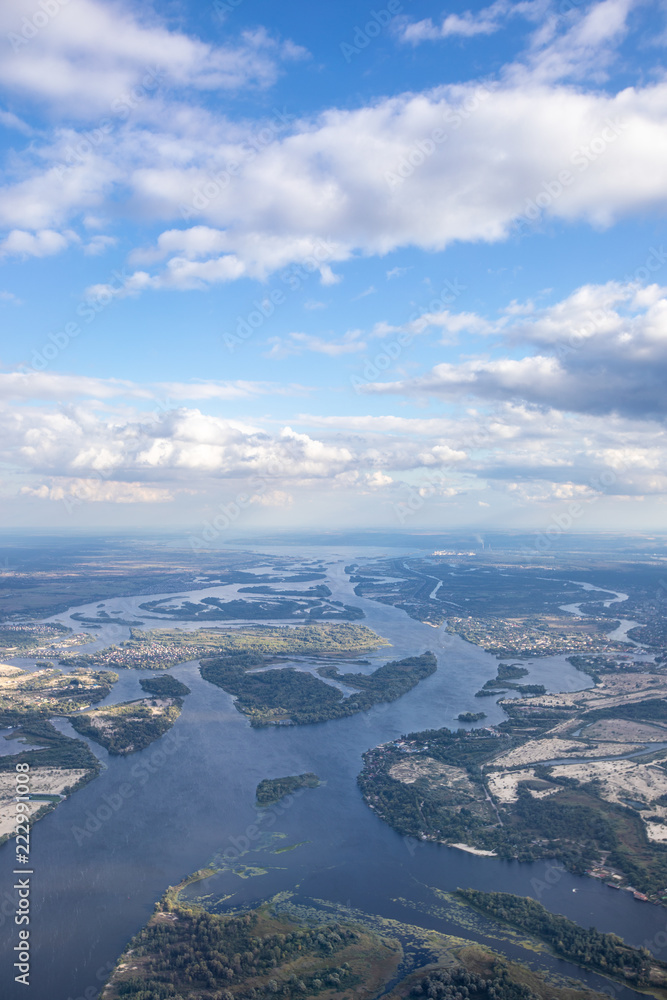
<point>158,815</point>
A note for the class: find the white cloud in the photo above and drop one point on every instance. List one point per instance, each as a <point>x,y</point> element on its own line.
<point>320,190</point>
<point>297,343</point>
<point>77,491</point>
<point>484,22</point>
<point>603,349</point>
<point>397,272</point>
<point>515,449</point>
<point>33,385</point>
<point>584,50</point>
<point>323,193</point>
<point>274,498</point>
<point>43,243</point>
<point>91,55</point>
<point>9,120</point>
<point>99,245</point>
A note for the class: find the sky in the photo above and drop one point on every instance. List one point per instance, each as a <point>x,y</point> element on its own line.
<point>317,266</point>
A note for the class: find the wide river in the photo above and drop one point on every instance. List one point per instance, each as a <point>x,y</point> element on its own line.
<point>104,856</point>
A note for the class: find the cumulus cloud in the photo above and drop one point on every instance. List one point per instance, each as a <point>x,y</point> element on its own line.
<point>458,162</point>
<point>484,22</point>
<point>602,349</point>
<point>374,180</point>
<point>43,243</point>
<point>514,449</point>
<point>84,58</point>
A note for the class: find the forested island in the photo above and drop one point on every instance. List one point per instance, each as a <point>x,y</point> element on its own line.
<point>131,726</point>
<point>164,686</point>
<point>272,790</point>
<point>292,697</point>
<point>210,609</point>
<point>277,951</point>
<point>591,949</point>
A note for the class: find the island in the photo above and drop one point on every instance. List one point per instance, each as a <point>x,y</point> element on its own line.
<point>301,605</point>
<point>272,790</point>
<point>159,649</point>
<point>164,686</point>
<point>130,726</point>
<point>285,696</point>
<point>471,716</point>
<point>278,950</point>
<point>578,776</point>
<point>590,949</point>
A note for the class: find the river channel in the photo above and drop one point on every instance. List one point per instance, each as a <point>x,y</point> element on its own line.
<point>106,854</point>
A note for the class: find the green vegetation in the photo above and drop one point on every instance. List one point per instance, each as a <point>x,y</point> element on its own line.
<point>132,726</point>
<point>281,951</point>
<point>20,638</point>
<point>160,649</point>
<point>165,686</point>
<point>447,984</point>
<point>103,619</point>
<point>550,816</point>
<point>606,953</point>
<point>39,694</point>
<point>320,590</point>
<point>290,696</point>
<point>213,609</point>
<point>59,750</point>
<point>471,716</point>
<point>271,790</point>
<point>496,686</point>
<point>510,671</point>
<point>189,953</point>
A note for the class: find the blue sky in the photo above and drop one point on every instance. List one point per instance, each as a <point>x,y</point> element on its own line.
<point>333,265</point>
